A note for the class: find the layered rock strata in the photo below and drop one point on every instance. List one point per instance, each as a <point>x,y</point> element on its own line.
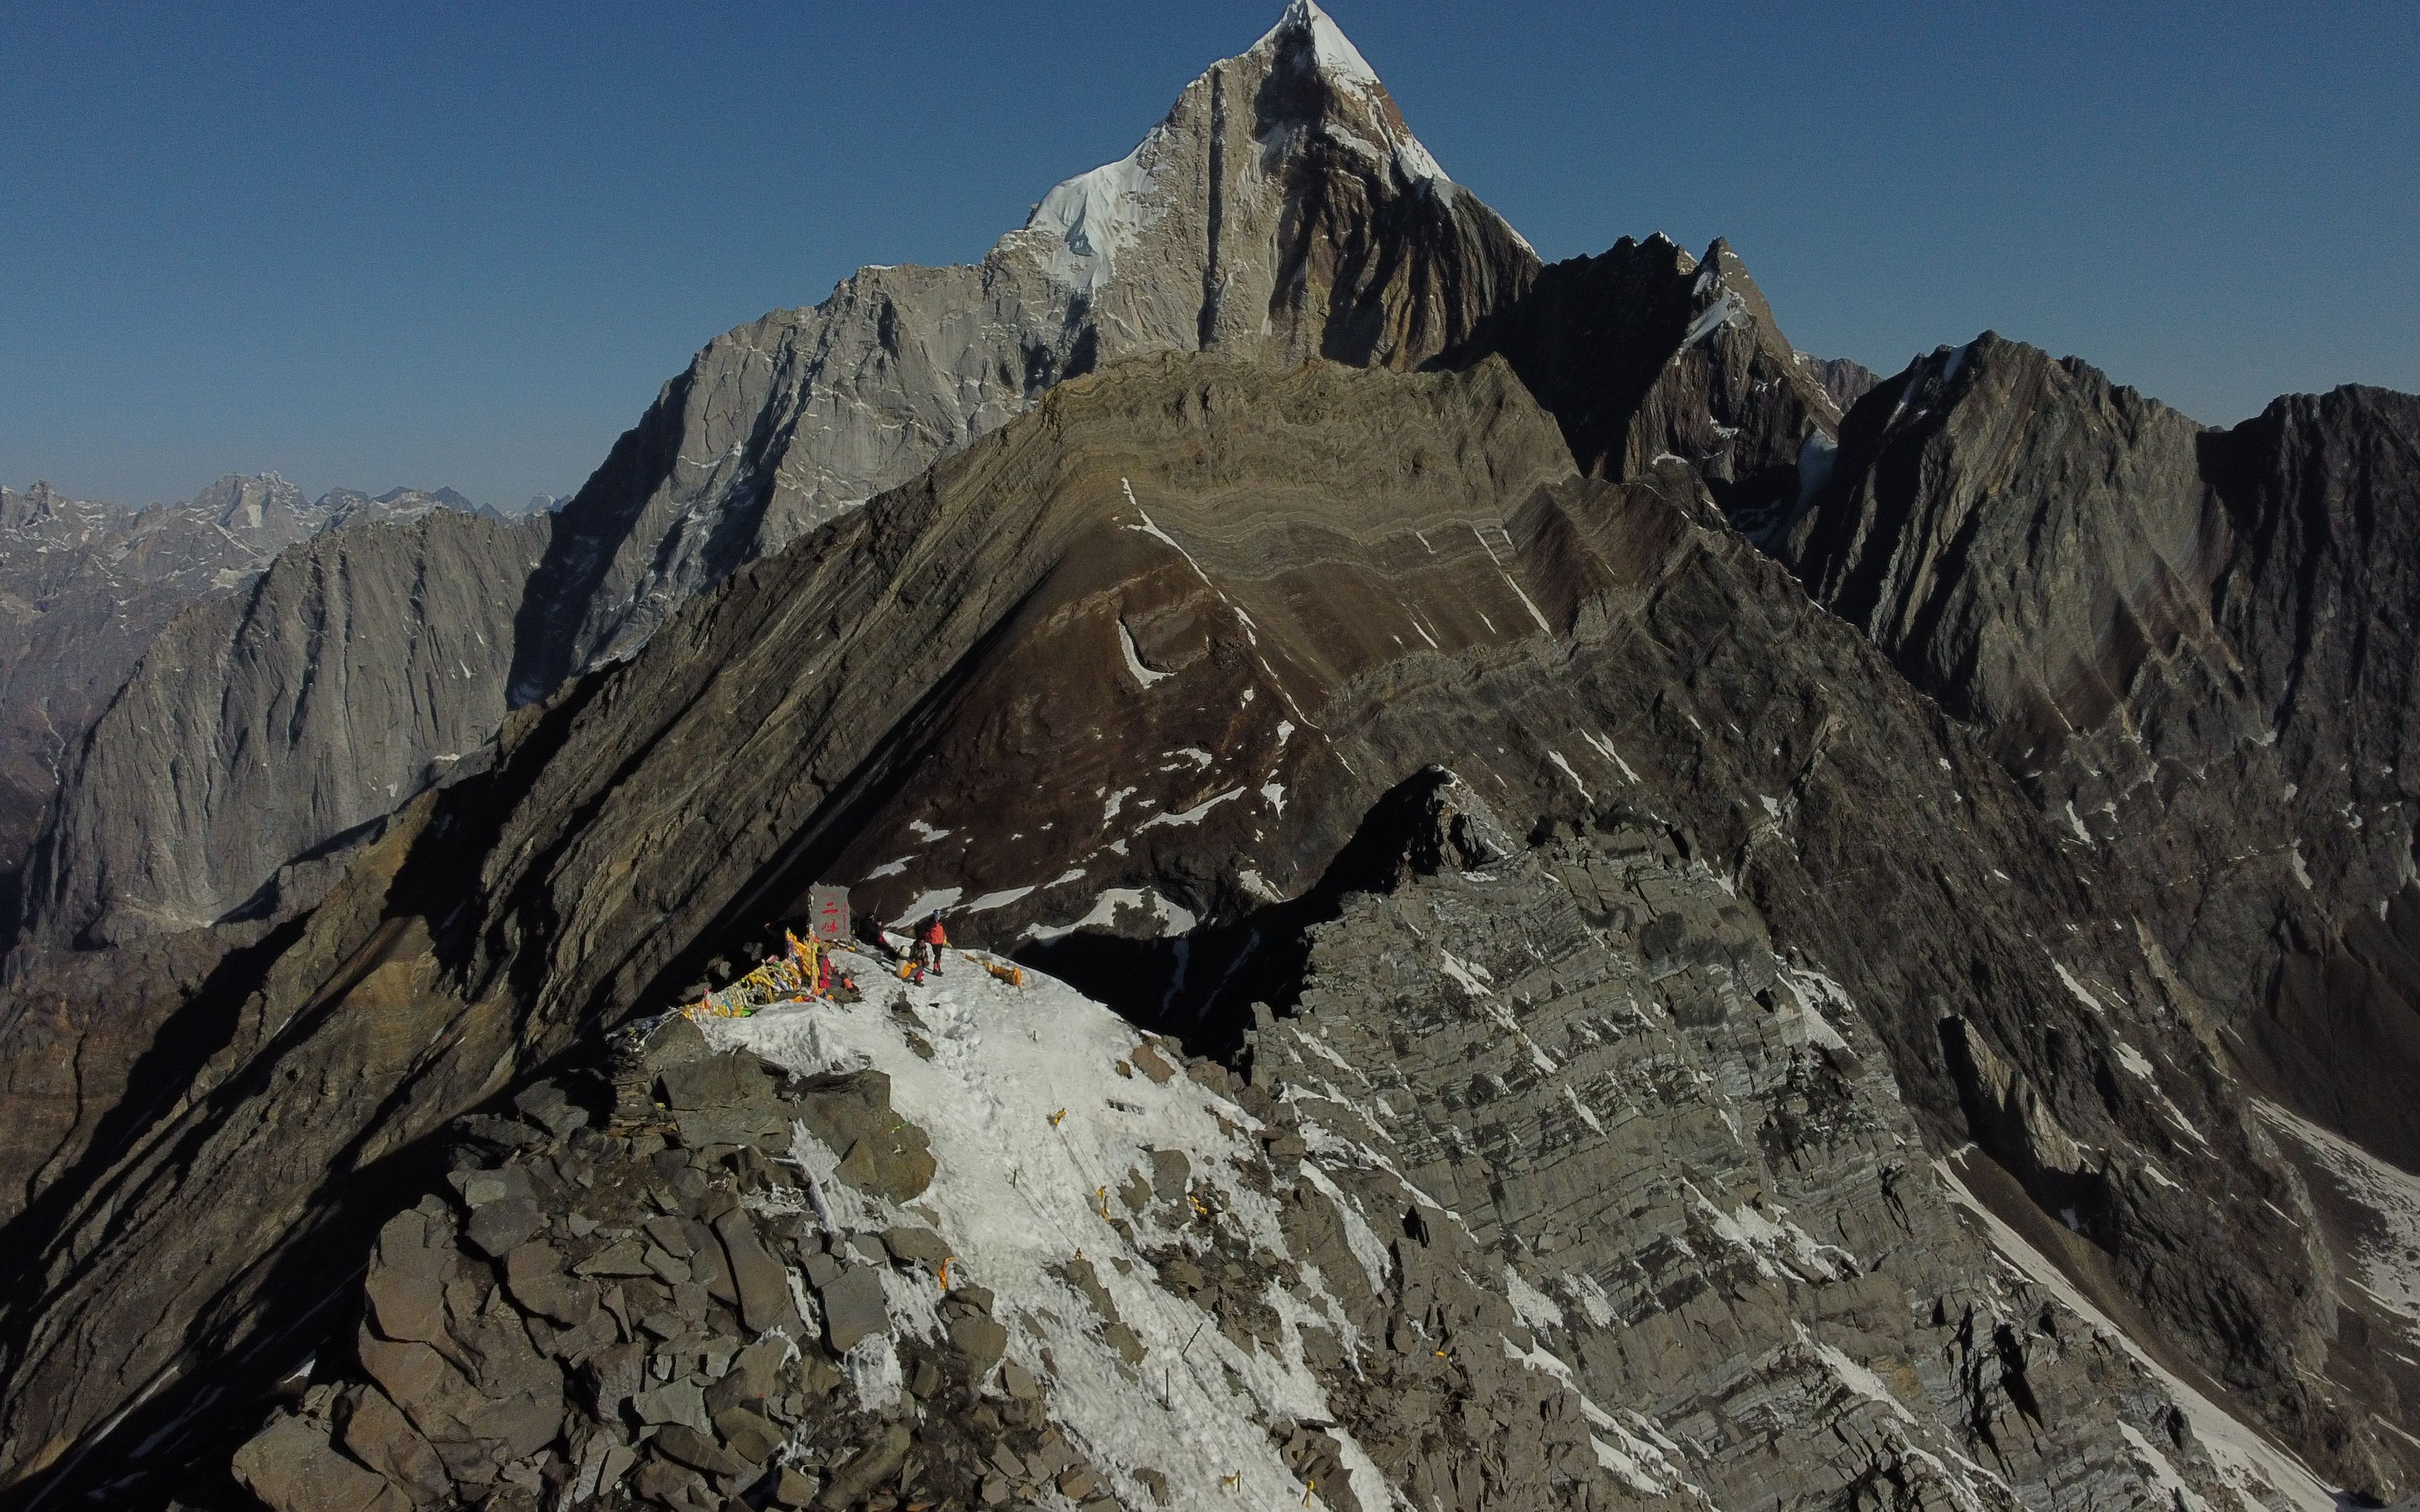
<point>1546,1133</point>
<point>2193,646</point>
<point>1247,605</point>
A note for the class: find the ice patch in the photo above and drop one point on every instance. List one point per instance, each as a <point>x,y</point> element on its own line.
<point>927,903</point>
<point>2172,1485</point>
<point>1856,1377</point>
<point>1172,918</point>
<point>2081,996</point>
<point>1532,1306</point>
<point>1094,217</point>
<point>1543,625</point>
<point>1134,660</point>
<point>888,869</point>
<point>1189,816</point>
<point>1590,1296</point>
<point>1604,748</point>
<point>1729,309</point>
<point>926,832</point>
<point>995,900</point>
<point>2388,1259</point>
<point>1556,757</point>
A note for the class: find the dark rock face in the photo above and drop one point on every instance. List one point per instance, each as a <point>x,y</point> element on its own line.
<point>2021,536</point>
<point>84,586</point>
<point>260,728</point>
<point>1646,356</point>
<point>2194,649</point>
<point>2195,644</point>
<point>1247,604</point>
<point>1845,381</point>
<point>1282,209</point>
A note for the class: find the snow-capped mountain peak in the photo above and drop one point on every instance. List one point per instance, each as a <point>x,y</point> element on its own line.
<point>1302,88</point>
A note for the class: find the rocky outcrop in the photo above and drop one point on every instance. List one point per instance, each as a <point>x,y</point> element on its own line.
<point>260,729</point>
<point>1141,662</point>
<point>2192,645</point>
<point>1545,1130</point>
<point>84,586</point>
<point>1843,380</point>
<point>1282,209</point>
<point>1647,356</point>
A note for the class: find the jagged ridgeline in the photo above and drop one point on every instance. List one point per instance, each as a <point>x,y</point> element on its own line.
<point>1609,914</point>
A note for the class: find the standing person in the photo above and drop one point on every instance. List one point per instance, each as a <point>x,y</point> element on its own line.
<point>935,940</point>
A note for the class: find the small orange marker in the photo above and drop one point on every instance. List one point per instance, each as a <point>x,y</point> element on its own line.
<point>945,1271</point>
<point>1056,1117</point>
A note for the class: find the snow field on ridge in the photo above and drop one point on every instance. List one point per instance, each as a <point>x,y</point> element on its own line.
<point>1015,1194</point>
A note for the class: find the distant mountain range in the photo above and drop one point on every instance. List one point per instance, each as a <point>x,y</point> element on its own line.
<point>85,586</point>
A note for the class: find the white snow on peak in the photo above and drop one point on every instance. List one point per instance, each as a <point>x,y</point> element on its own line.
<point>1085,225</point>
<point>1341,64</point>
<point>1729,309</point>
<point>1337,56</point>
<point>1094,216</point>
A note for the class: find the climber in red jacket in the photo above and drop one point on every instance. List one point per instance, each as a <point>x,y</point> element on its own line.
<point>935,940</point>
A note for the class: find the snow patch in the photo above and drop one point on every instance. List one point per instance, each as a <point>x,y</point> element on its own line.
<point>927,903</point>
<point>2388,1256</point>
<point>995,900</point>
<point>1171,918</point>
<point>1556,757</point>
<point>1189,816</point>
<point>1143,674</point>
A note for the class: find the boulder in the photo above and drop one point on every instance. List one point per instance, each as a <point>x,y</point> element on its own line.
<point>292,1468</point>
<point>853,1307</point>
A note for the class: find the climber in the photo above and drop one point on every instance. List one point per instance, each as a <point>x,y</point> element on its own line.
<point>935,940</point>
<point>823,974</point>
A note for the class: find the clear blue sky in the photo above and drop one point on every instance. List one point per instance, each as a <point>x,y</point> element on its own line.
<point>366,245</point>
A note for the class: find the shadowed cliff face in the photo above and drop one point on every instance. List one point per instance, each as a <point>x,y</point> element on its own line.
<point>2196,646</point>
<point>2194,649</point>
<point>1144,658</point>
<point>85,586</point>
<point>261,728</point>
<point>1648,357</point>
